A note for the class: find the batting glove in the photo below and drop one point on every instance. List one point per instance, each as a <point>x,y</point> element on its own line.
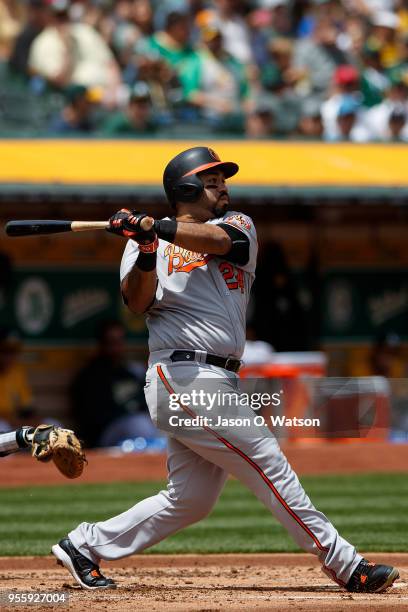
<point>126,223</point>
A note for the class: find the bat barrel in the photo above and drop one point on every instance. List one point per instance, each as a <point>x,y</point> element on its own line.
<point>35,227</point>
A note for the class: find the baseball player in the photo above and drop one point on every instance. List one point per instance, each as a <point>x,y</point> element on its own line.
<point>191,274</point>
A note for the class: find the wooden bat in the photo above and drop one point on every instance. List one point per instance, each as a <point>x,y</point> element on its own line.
<point>36,227</point>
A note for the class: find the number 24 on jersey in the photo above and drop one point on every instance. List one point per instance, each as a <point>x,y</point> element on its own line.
<point>234,277</point>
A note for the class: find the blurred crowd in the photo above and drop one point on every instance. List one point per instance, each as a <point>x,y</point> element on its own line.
<point>106,397</point>
<point>321,69</point>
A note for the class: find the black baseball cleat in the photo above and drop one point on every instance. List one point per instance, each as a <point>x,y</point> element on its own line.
<point>86,573</point>
<point>371,578</point>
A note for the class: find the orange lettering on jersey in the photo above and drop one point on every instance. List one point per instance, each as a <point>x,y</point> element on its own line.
<point>182,260</point>
<point>239,221</point>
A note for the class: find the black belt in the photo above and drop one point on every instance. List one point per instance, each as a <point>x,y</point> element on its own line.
<point>228,363</point>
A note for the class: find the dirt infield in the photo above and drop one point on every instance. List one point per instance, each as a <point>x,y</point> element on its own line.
<point>306,458</point>
<point>202,582</point>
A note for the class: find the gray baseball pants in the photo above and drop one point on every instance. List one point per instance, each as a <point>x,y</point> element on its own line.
<point>198,466</point>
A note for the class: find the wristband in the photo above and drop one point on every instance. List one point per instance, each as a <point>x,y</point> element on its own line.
<point>146,262</point>
<point>166,229</point>
<point>151,247</point>
<point>21,436</point>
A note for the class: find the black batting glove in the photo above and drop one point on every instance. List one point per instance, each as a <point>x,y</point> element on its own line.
<point>126,223</point>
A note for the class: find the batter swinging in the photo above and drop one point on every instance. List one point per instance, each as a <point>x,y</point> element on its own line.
<point>192,275</point>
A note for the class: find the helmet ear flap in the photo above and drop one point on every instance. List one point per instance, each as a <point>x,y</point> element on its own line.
<point>187,189</point>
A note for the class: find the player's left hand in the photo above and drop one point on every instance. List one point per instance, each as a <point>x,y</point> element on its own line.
<point>133,224</point>
<point>62,446</point>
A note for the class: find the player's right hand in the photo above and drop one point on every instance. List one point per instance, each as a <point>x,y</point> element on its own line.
<point>128,223</point>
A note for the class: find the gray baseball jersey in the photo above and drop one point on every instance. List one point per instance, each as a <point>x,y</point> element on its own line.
<point>201,299</point>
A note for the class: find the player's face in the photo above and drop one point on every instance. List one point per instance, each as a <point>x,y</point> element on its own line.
<point>215,197</point>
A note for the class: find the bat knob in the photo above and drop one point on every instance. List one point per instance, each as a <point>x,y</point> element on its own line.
<point>147,223</point>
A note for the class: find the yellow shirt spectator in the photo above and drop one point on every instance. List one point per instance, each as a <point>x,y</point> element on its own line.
<point>15,393</point>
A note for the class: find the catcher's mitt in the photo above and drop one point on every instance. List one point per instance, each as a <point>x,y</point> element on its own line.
<point>60,445</point>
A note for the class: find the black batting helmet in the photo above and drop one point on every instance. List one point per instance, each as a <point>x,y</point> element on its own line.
<point>180,179</point>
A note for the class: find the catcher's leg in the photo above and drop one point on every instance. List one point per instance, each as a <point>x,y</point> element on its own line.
<point>194,486</point>
<point>13,441</point>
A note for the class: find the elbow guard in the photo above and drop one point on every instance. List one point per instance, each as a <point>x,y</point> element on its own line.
<point>239,252</point>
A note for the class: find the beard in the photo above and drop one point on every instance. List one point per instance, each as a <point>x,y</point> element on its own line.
<point>221,208</point>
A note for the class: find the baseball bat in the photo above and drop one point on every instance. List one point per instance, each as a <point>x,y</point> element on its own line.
<point>36,227</point>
